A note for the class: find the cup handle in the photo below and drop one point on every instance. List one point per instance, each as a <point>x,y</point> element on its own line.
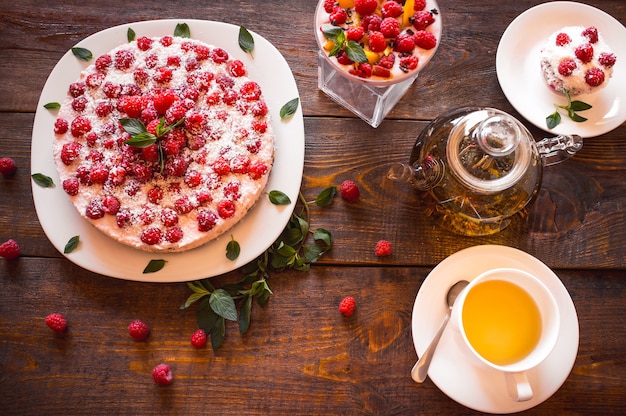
<point>518,386</point>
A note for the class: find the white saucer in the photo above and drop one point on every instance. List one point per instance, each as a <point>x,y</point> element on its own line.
<point>519,73</point>
<point>453,369</point>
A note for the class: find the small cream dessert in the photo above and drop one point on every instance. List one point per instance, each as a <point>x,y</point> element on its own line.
<point>164,143</point>
<point>576,60</point>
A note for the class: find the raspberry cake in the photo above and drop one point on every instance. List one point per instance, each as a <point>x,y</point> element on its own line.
<point>164,143</point>
<point>576,60</point>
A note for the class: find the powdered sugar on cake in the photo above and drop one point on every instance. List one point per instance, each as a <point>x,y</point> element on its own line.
<point>576,60</point>
<point>211,148</point>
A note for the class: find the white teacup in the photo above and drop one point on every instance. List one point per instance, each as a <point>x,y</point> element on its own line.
<point>510,321</point>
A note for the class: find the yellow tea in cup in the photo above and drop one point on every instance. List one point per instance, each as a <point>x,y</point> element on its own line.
<point>501,321</point>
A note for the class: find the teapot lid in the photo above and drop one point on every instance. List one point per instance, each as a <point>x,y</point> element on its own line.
<point>489,150</point>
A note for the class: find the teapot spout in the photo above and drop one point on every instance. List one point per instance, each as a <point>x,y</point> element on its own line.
<point>421,177</point>
<point>557,149</point>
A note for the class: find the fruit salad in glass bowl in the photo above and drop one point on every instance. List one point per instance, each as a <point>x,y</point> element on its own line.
<point>381,42</point>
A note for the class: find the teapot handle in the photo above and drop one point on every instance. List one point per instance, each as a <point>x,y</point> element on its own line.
<point>557,149</point>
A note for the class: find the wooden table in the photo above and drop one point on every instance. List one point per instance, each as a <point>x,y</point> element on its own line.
<point>300,355</point>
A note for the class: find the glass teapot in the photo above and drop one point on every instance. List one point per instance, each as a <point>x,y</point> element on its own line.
<point>481,166</point>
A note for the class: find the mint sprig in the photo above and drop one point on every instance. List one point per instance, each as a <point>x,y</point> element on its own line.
<point>571,108</point>
<point>140,136</point>
<point>337,35</point>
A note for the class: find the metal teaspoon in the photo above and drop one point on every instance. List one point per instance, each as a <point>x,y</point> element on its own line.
<point>420,369</point>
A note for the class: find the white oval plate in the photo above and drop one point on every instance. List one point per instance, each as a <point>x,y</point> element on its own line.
<point>519,72</point>
<point>458,373</point>
<point>255,232</point>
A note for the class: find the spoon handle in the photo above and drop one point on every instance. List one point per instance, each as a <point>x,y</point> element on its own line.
<point>420,369</point>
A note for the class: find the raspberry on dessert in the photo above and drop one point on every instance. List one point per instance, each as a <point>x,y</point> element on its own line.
<point>371,23</point>
<point>607,59</point>
<point>376,41</point>
<point>404,43</point>
<point>70,152</point>
<point>584,52</point>
<point>123,59</point>
<point>338,16</point>
<point>151,236</point>
<point>144,43</point>
<point>174,234</point>
<point>7,167</point>
<point>347,306</point>
<point>591,33</point>
<point>389,27</point>
<point>566,67</point>
<point>349,191</point>
<point>425,40</point>
<point>383,248</point>
<point>206,220</point>
<point>594,77</point>
<point>419,5</point>
<point>56,322</point>
<point>563,39</point>
<point>80,125</point>
<point>329,5</point>
<point>219,55</point>
<point>422,19</point>
<point>355,33</point>
<point>138,330</point>
<point>226,208</point>
<point>391,8</point>
<point>110,205</point>
<point>61,126</point>
<point>9,249</point>
<point>162,375</point>
<point>365,7</point>
<point>198,338</point>
<point>70,186</point>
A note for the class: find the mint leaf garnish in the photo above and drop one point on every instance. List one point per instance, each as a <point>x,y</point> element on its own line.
<point>154,266</point>
<point>571,108</point>
<point>82,53</point>
<point>232,249</point>
<point>182,30</point>
<point>130,34</point>
<point>52,106</point>
<point>71,244</point>
<point>42,180</point>
<point>246,41</point>
<point>279,198</point>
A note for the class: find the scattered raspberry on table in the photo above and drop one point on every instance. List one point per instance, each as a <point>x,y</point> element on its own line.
<point>349,191</point>
<point>383,248</point>
<point>198,338</point>
<point>9,249</point>
<point>7,166</point>
<point>139,330</point>
<point>347,305</point>
<point>56,322</point>
<point>162,375</point>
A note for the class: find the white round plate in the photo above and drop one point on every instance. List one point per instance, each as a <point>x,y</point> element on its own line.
<point>459,374</point>
<point>519,72</point>
<point>255,232</point>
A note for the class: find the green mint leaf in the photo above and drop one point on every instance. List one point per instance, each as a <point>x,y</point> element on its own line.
<point>198,287</point>
<point>130,34</point>
<point>192,299</point>
<point>206,316</point>
<point>42,180</point>
<point>82,53</point>
<point>576,118</point>
<point>154,266</point>
<point>278,198</point>
<point>355,52</point>
<point>312,252</point>
<point>326,197</point>
<point>52,106</point>
<point>142,140</point>
<point>246,41</point>
<point>579,106</point>
<point>232,249</point>
<point>133,126</point>
<point>71,244</point>
<point>553,120</point>
<point>223,304</point>
<point>182,30</point>
<point>244,315</point>
<point>218,333</point>
<point>323,235</point>
<point>332,32</point>
<point>289,109</point>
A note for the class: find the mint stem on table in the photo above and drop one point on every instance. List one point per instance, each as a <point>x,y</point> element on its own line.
<point>572,107</point>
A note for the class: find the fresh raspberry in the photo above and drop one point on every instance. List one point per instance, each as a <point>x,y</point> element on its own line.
<point>94,80</point>
<point>425,40</point>
<point>139,330</point>
<point>329,5</point>
<point>259,126</point>
<point>117,175</point>
<point>80,125</point>
<point>103,62</point>
<point>584,52</point>
<point>7,166</point>
<point>364,70</point>
<point>198,338</point>
<point>70,186</point>
<point>103,109</point>
<point>169,217</point>
<point>594,77</point>
<point>383,248</point>
<point>259,109</point>
<point>174,234</point>
<point>151,236</point>
<point>391,8</point>
<point>163,75</point>
<point>591,33</point>
<point>347,306</point>
<point>419,5</point>
<point>387,61</point>
<point>123,218</point>
<point>144,43</point>
<point>76,89</point>
<point>349,191</point>
<point>162,375</point>
<point>132,105</point>
<point>390,27</point>
<point>221,166</point>
<point>607,59</point>
<point>240,164</point>
<point>183,205</point>
<point>70,152</point>
<point>365,7</point>
<point>61,126</point>
<point>422,19</point>
<point>111,90</point>
<point>111,205</point>
<point>219,55</point>
<point>124,59</point>
<point>371,23</point>
<point>566,67</point>
<point>193,178</point>
<point>380,71</point>
<point>142,172</point>
<point>376,41</point>
<point>250,91</point>
<point>562,39</point>
<point>173,61</point>
<point>404,43</point>
<point>9,249</point>
<point>94,209</point>
<point>166,41</point>
<point>79,104</point>
<point>257,170</point>
<point>231,190</point>
<point>202,52</point>
<point>237,68</point>
<point>408,63</point>
<point>355,33</point>
<point>176,112</point>
<point>99,174</point>
<point>206,220</point>
<point>176,166</point>
<point>163,100</point>
<point>343,58</point>
<point>226,208</point>
<point>338,16</point>
<point>56,322</point>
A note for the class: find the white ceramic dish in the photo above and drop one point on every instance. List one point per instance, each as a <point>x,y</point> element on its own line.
<point>519,73</point>
<point>453,369</point>
<point>255,232</point>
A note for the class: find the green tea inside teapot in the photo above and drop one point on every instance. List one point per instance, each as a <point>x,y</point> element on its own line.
<point>481,166</point>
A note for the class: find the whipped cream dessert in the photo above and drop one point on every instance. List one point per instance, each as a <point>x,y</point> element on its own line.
<point>396,38</point>
<point>576,60</point>
<point>164,143</point>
